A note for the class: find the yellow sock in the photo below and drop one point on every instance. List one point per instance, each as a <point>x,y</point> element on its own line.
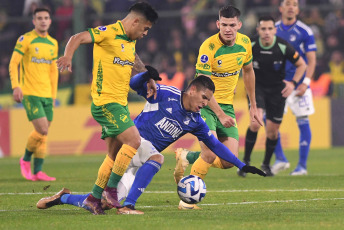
<point>217,163</point>
<point>33,141</point>
<point>200,168</point>
<point>123,158</point>
<point>104,172</point>
<point>41,149</point>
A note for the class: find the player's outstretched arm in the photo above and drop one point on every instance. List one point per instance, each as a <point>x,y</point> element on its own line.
<point>65,62</point>
<point>223,152</point>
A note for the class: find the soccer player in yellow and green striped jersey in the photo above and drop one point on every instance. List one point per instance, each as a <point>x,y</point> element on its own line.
<point>221,57</point>
<point>114,57</point>
<point>35,85</point>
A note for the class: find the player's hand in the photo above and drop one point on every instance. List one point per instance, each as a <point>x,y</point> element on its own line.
<point>17,94</point>
<point>288,89</point>
<point>151,88</point>
<point>64,63</point>
<point>255,116</point>
<point>153,73</point>
<point>253,170</point>
<point>301,89</point>
<point>227,121</point>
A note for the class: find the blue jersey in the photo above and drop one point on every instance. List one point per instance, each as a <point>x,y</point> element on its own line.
<point>164,120</point>
<point>301,37</point>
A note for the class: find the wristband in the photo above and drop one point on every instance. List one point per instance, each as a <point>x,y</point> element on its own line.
<point>294,82</point>
<point>306,81</point>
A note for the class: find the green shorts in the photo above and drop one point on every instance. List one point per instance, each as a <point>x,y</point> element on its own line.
<point>114,118</point>
<point>214,123</point>
<point>37,107</point>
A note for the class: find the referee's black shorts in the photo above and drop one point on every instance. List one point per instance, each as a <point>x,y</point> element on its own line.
<point>269,98</point>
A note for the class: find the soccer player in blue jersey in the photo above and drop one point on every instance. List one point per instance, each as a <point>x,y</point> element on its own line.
<point>163,121</point>
<point>301,37</point>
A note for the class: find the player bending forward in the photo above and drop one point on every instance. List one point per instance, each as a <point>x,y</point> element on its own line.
<point>163,121</point>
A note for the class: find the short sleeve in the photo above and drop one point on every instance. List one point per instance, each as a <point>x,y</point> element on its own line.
<point>98,34</point>
<point>22,44</point>
<point>249,57</point>
<point>204,60</point>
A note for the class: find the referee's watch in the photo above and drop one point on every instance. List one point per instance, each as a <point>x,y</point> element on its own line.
<point>294,82</point>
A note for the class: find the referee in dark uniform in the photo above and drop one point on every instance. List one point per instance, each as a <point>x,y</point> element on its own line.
<point>269,57</point>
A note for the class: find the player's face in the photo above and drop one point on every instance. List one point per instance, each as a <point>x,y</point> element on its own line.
<point>266,31</point>
<point>199,99</point>
<point>42,21</point>
<point>289,9</point>
<point>140,28</point>
<point>228,29</point>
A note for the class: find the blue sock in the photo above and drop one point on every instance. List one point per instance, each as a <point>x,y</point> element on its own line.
<point>72,199</point>
<point>279,151</point>
<point>143,177</point>
<point>305,141</point>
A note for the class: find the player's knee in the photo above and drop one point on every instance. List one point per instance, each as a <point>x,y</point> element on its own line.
<point>226,164</point>
<point>158,158</point>
<point>254,127</point>
<point>208,156</point>
<point>42,130</point>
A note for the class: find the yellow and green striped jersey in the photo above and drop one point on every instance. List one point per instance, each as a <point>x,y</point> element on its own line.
<point>113,60</point>
<point>38,72</point>
<point>223,63</point>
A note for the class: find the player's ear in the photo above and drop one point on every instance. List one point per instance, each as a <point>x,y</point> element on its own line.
<point>218,24</point>
<point>239,25</point>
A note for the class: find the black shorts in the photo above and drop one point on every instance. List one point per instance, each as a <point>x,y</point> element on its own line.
<point>270,99</point>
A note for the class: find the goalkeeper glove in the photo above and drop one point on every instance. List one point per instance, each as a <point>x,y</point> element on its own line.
<point>253,170</point>
<point>151,73</point>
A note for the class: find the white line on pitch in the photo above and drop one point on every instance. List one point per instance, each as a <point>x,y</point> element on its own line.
<point>211,191</point>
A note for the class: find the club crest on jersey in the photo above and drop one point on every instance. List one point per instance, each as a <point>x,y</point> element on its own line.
<point>21,38</point>
<point>36,49</point>
<point>292,38</point>
<point>169,128</point>
<point>204,58</point>
<point>124,118</point>
<point>122,47</point>
<point>186,120</point>
<point>102,28</point>
<point>219,62</point>
<point>239,60</point>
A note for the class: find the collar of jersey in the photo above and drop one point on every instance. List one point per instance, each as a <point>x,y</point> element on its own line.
<point>124,35</point>
<point>34,31</point>
<point>282,26</point>
<point>219,40</point>
<point>267,47</point>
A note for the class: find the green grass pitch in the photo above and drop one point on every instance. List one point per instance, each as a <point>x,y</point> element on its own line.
<point>315,201</point>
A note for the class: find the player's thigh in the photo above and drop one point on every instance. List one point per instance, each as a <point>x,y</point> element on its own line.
<point>114,119</point>
<point>145,152</point>
<point>275,106</point>
<point>34,107</point>
<point>301,105</point>
<point>41,125</point>
<point>231,131</point>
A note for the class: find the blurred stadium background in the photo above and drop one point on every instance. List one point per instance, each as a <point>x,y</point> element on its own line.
<point>172,47</point>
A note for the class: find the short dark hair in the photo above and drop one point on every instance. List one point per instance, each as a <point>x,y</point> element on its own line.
<point>202,82</point>
<point>229,12</point>
<point>41,9</point>
<point>146,10</point>
<point>266,18</point>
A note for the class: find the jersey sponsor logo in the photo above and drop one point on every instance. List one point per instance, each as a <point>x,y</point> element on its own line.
<point>21,38</point>
<point>169,128</point>
<point>203,66</point>
<point>211,46</point>
<point>172,99</point>
<point>204,58</point>
<point>36,50</point>
<point>18,46</point>
<point>40,61</point>
<point>245,40</point>
<point>239,60</point>
<point>117,60</point>
<point>102,28</point>
<point>225,74</point>
<point>122,47</point>
<point>169,110</point>
<point>265,52</point>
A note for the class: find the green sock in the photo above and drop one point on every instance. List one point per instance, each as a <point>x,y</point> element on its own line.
<point>27,155</point>
<point>114,180</point>
<point>97,191</point>
<point>192,156</point>
<point>37,165</point>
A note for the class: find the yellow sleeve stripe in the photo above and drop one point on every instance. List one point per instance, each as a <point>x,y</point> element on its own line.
<point>90,31</point>
<point>19,51</point>
<point>203,72</point>
<point>248,62</point>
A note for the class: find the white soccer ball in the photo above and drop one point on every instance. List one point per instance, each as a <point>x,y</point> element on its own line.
<point>191,189</point>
